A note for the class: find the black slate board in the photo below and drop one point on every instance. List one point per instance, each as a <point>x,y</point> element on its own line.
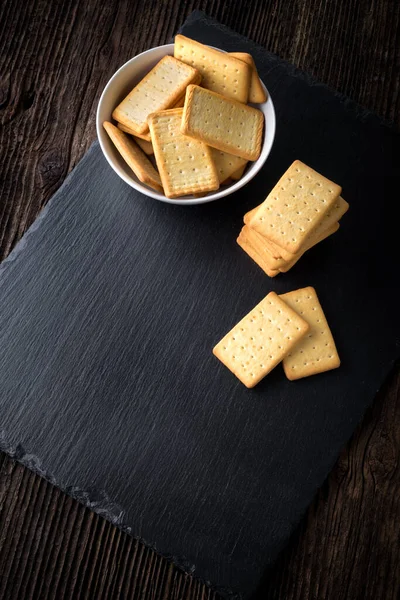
<point>112,302</point>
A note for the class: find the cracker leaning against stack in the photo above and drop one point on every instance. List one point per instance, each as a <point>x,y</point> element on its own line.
<point>302,209</point>
<point>191,111</point>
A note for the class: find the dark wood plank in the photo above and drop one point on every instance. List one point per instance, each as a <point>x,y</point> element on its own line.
<point>56,58</point>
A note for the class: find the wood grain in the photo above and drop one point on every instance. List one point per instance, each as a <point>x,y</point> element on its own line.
<point>55,60</point>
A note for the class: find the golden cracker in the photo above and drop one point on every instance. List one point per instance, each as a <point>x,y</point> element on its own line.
<point>257,241</point>
<point>134,157</point>
<point>239,173</point>
<point>273,249</point>
<point>142,136</point>
<point>245,244</point>
<point>222,123</point>
<point>261,340</point>
<point>220,72</point>
<point>180,103</point>
<point>316,352</point>
<point>147,147</point>
<point>185,165</point>
<point>256,92</point>
<point>295,207</point>
<point>333,215</point>
<point>160,89</point>
<point>226,164</point>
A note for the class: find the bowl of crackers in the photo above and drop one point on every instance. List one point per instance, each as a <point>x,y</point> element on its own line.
<point>186,123</point>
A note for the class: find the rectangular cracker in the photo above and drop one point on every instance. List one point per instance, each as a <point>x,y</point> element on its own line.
<point>147,147</point>
<point>226,164</point>
<point>261,340</point>
<point>333,215</point>
<point>239,173</point>
<point>185,165</point>
<point>275,250</point>
<point>142,136</point>
<point>295,207</point>
<point>256,92</point>
<point>246,245</point>
<point>220,72</point>
<point>134,157</point>
<point>257,241</point>
<point>160,89</point>
<point>316,352</point>
<point>222,123</point>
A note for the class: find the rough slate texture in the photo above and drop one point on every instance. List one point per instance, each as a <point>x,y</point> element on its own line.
<point>90,389</point>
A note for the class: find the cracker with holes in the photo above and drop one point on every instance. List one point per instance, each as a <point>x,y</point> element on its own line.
<point>226,164</point>
<point>185,165</point>
<point>280,264</point>
<point>220,72</point>
<point>334,214</point>
<point>316,352</point>
<point>222,123</point>
<point>256,92</point>
<point>160,89</point>
<point>261,340</point>
<point>134,157</point>
<point>295,207</point>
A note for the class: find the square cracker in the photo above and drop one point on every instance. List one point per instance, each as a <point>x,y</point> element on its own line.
<point>134,157</point>
<point>220,72</point>
<point>316,352</point>
<point>261,340</point>
<point>185,165</point>
<point>226,164</point>
<point>160,89</point>
<point>334,214</point>
<point>222,123</point>
<point>256,92</point>
<point>247,246</point>
<point>295,207</point>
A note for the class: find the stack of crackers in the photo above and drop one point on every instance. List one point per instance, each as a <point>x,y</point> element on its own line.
<point>190,111</point>
<point>303,209</point>
<point>290,328</point>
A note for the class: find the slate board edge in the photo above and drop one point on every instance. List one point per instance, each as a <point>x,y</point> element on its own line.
<point>97,500</point>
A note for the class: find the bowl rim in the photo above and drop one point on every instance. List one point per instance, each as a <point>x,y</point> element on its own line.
<point>182,201</point>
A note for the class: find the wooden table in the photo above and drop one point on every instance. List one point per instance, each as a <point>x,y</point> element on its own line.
<point>56,58</point>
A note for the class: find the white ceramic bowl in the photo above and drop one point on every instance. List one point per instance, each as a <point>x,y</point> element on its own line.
<point>121,84</point>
